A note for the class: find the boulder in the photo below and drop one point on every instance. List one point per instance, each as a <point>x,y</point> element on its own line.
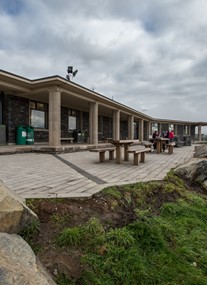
<point>18,263</point>
<point>201,151</point>
<point>14,214</point>
<point>194,172</point>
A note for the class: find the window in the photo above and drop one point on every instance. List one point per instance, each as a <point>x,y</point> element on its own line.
<point>186,130</point>
<point>72,120</point>
<point>38,114</point>
<point>154,127</point>
<point>170,127</point>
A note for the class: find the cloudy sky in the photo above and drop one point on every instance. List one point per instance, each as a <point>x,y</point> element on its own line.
<point>148,54</point>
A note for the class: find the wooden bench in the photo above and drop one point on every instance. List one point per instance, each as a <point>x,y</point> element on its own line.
<point>148,145</point>
<point>67,140</point>
<point>170,147</point>
<point>102,152</point>
<point>138,152</point>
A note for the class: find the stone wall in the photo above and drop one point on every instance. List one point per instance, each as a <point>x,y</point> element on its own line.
<point>15,112</point>
<point>64,122</point>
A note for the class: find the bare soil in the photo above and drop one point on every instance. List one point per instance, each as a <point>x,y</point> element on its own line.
<point>57,214</point>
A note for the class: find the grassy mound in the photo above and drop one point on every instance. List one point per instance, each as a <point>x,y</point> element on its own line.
<point>145,233</point>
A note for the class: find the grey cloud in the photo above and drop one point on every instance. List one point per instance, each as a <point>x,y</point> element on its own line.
<point>146,54</point>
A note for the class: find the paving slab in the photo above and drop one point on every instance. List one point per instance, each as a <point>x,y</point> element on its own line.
<point>80,174</point>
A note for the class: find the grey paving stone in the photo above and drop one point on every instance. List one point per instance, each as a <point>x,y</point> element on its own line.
<point>79,174</point>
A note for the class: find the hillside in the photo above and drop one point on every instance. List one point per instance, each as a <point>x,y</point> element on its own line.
<point>145,233</point>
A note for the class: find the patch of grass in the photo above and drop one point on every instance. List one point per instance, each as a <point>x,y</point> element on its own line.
<point>165,245</point>
<point>112,192</point>
<point>195,199</point>
<point>166,249</point>
<point>120,237</point>
<point>31,203</point>
<point>70,236</point>
<point>93,227</point>
<point>171,177</point>
<point>60,219</point>
<point>30,230</point>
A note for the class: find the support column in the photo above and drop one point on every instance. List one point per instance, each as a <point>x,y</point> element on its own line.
<point>199,133</point>
<point>159,128</point>
<point>54,117</point>
<point>131,127</point>
<point>116,125</point>
<point>148,131</point>
<point>150,128</point>
<point>141,130</point>
<point>93,123</point>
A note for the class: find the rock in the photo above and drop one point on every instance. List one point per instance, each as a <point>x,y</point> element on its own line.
<point>18,263</point>
<point>194,173</point>
<point>14,214</point>
<point>201,151</point>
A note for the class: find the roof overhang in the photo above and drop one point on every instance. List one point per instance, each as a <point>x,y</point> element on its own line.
<point>39,89</point>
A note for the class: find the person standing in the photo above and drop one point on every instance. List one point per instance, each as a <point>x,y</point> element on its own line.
<point>171,135</point>
<point>167,134</point>
<point>155,135</point>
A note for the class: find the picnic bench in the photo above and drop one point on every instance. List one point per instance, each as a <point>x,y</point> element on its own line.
<point>138,152</point>
<point>148,145</point>
<point>102,152</point>
<point>170,147</point>
<point>67,140</point>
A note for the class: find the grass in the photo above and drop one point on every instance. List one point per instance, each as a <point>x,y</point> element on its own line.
<point>167,249</point>
<point>165,243</point>
<point>30,230</point>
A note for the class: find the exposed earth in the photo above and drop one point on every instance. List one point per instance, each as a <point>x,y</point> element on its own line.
<point>57,214</point>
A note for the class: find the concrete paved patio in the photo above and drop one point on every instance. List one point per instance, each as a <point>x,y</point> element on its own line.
<point>79,174</point>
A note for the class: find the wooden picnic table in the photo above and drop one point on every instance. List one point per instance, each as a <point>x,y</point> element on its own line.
<point>159,144</point>
<point>118,144</point>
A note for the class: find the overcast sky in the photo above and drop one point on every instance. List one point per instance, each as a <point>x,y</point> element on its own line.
<point>148,54</point>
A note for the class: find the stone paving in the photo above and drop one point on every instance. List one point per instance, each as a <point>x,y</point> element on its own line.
<point>80,174</point>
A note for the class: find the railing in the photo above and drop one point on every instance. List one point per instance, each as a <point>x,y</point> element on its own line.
<point>203,138</point>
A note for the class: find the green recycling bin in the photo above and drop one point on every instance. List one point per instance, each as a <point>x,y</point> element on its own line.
<point>21,135</point>
<point>30,135</point>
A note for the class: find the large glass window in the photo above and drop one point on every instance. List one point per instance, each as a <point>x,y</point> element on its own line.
<point>38,114</point>
<point>72,114</point>
<point>186,130</point>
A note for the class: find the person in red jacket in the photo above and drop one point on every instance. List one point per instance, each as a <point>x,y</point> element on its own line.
<point>171,135</point>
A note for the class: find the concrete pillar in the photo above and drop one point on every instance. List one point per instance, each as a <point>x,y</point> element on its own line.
<point>159,128</point>
<point>54,117</point>
<point>131,127</point>
<point>189,130</point>
<point>150,128</point>
<point>148,131</point>
<point>93,123</point>
<point>199,133</point>
<point>175,129</point>
<point>141,130</point>
<point>116,125</point>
